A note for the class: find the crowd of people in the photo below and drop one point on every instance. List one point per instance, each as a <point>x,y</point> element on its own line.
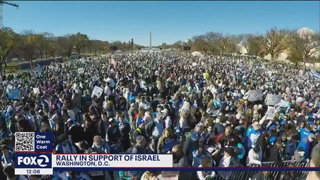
<point>206,112</point>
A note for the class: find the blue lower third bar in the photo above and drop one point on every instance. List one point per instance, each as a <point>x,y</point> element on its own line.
<point>189,169</point>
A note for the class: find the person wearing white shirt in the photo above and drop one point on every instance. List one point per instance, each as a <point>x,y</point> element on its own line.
<point>158,128</point>
<point>107,90</point>
<point>167,120</point>
<point>182,122</point>
<point>147,117</point>
<point>203,175</point>
<point>254,156</point>
<point>111,82</point>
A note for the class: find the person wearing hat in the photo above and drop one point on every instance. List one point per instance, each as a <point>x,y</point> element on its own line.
<point>192,142</point>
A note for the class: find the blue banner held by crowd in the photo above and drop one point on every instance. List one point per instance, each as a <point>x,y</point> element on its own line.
<point>14,94</point>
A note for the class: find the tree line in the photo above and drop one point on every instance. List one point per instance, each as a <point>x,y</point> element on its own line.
<point>299,47</point>
<point>29,45</point>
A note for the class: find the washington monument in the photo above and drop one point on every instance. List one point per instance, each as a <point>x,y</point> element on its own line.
<point>150,40</point>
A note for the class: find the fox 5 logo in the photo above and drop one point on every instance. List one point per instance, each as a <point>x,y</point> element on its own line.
<point>32,160</point>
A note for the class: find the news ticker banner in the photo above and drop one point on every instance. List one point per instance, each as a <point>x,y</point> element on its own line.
<point>33,142</point>
<point>46,163</point>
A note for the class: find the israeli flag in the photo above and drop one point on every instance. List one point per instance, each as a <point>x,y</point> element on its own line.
<point>315,74</point>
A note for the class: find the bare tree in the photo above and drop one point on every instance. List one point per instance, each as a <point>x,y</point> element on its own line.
<point>232,43</point>
<point>177,45</point>
<point>222,44</point>
<point>48,39</point>
<point>7,42</point>
<point>66,43</point>
<point>273,42</point>
<point>28,44</point>
<point>97,46</point>
<point>81,41</point>
<point>212,39</point>
<point>302,46</point>
<point>253,44</point>
<point>200,43</point>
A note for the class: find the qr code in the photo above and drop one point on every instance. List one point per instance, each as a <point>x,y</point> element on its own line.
<point>24,141</point>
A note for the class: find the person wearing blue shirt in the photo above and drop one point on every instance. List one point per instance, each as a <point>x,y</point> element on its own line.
<point>198,155</point>
<point>7,158</point>
<point>191,144</point>
<point>304,142</point>
<point>290,147</point>
<point>65,146</point>
<point>209,132</point>
<point>9,112</point>
<point>3,128</point>
<point>252,135</point>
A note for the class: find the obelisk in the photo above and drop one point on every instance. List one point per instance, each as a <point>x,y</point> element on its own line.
<point>150,40</point>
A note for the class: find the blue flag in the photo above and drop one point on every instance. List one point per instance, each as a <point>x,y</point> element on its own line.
<point>304,141</point>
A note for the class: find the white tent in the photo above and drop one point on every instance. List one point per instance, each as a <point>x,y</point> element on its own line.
<point>196,53</point>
